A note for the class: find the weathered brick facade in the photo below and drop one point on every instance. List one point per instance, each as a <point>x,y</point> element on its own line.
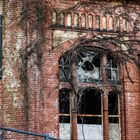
<point>30,85</point>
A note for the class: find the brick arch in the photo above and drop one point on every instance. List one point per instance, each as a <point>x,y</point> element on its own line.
<point>81,41</point>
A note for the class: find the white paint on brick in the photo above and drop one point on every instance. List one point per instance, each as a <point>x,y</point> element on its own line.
<point>62,36</point>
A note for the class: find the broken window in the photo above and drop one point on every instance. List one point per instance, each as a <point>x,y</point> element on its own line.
<point>114,115</point>
<point>64,68</point>
<point>88,66</point>
<point>90,97</point>
<point>90,114</point>
<point>84,110</point>
<point>112,70</point>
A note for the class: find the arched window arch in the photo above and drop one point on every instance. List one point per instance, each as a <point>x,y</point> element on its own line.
<point>111,23</point>
<point>97,22</point>
<point>104,23</point>
<point>68,20</point>
<point>90,21</point>
<point>54,17</point>
<point>83,20</point>
<point>76,20</point>
<point>87,66</point>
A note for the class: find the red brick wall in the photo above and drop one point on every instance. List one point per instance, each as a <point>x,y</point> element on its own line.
<point>38,109</point>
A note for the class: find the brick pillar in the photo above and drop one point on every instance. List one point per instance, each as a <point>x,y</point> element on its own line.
<point>73,126</point>
<point>73,117</point>
<point>13,98</point>
<point>105,100</point>
<point>132,103</point>
<point>105,116</point>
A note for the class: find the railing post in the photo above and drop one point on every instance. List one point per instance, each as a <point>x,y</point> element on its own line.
<point>47,136</point>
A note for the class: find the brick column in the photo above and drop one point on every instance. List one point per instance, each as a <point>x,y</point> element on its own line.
<point>132,103</point>
<point>105,100</point>
<point>73,117</point>
<point>105,116</point>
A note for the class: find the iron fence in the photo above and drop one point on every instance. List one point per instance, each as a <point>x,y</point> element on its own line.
<point>46,136</point>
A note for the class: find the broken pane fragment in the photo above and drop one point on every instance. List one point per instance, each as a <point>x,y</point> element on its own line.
<point>88,66</point>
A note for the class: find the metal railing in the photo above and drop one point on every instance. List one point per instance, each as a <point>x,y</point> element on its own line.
<point>46,136</point>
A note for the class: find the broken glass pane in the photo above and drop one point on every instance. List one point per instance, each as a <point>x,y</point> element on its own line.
<point>64,68</point>
<point>88,65</point>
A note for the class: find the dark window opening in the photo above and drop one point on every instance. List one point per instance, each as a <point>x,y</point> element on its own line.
<point>90,102</point>
<point>89,120</point>
<point>87,66</point>
<point>64,107</point>
<point>64,119</point>
<point>90,109</point>
<point>64,101</point>
<point>113,107</point>
<point>113,103</point>
<point>113,120</point>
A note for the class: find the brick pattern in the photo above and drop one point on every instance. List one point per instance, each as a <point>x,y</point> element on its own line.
<point>40,113</point>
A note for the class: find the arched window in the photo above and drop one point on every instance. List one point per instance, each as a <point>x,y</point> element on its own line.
<point>114,115</point>
<point>84,70</point>
<point>68,20</point>
<point>83,21</point>
<point>104,23</point>
<point>54,17</point>
<point>76,20</point>
<point>117,24</point>
<point>124,25</point>
<point>61,17</point>
<point>97,22</point>
<point>111,23</point>
<point>90,21</point>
